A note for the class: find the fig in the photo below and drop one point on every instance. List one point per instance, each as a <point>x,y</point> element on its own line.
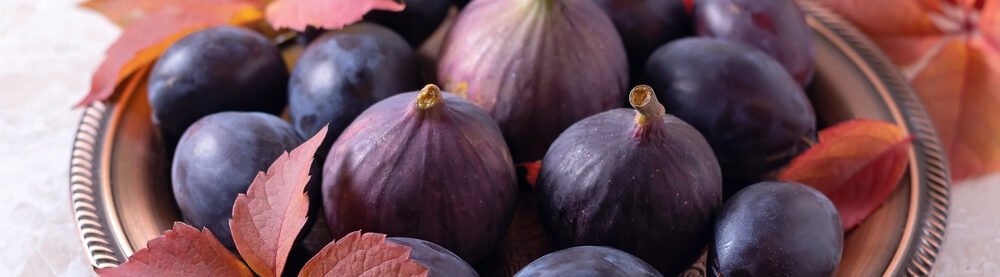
<point>776,27</point>
<point>645,25</point>
<point>641,181</point>
<point>537,66</point>
<point>588,261</point>
<point>426,165</point>
<point>416,22</point>
<point>777,229</point>
<point>437,260</point>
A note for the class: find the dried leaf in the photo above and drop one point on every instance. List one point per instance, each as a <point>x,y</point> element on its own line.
<point>363,255</point>
<point>950,52</point>
<point>183,251</point>
<point>267,219</point>
<point>857,164</point>
<point>328,14</point>
<point>143,41</point>
<point>125,12</point>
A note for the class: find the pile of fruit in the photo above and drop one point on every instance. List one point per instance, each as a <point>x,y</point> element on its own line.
<point>717,109</point>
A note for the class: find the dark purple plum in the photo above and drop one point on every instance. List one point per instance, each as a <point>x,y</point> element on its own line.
<point>776,27</point>
<point>751,111</point>
<point>645,25</point>
<point>416,22</point>
<point>215,70</point>
<point>218,157</point>
<point>777,229</point>
<point>641,181</point>
<point>588,261</point>
<point>344,72</point>
<point>427,165</point>
<point>439,261</point>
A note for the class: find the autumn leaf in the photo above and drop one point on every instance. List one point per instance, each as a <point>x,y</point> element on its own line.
<point>328,14</point>
<point>950,52</point>
<point>267,219</point>
<point>531,172</point>
<point>366,254</point>
<point>125,12</point>
<point>857,164</point>
<point>144,40</point>
<point>182,251</point>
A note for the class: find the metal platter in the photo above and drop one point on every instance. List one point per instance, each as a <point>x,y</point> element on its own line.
<point>121,196</point>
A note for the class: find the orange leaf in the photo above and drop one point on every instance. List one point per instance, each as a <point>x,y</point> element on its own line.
<point>328,14</point>
<point>950,52</point>
<point>183,251</point>
<point>857,164</point>
<point>363,255</point>
<point>531,172</point>
<point>143,41</point>
<point>267,219</point>
<point>126,12</point>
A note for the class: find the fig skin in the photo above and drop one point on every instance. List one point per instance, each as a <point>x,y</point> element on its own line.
<point>536,66</point>
<point>437,260</point>
<point>426,165</point>
<point>643,182</point>
<point>777,229</point>
<point>645,25</point>
<point>588,261</point>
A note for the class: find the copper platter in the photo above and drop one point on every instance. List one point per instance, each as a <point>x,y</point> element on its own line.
<point>121,195</point>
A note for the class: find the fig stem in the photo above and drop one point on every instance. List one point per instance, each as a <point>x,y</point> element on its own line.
<point>643,99</point>
<point>429,96</point>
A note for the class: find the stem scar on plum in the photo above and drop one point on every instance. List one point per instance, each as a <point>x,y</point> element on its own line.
<point>428,97</point>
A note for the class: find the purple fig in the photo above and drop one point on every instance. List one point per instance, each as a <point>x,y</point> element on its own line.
<point>426,165</point>
<point>537,66</point>
<point>641,181</point>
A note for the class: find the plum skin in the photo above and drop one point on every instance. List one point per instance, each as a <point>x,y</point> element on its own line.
<point>217,159</point>
<point>438,260</point>
<point>600,185</point>
<point>777,229</point>
<point>214,70</point>
<point>751,111</point>
<point>344,72</point>
<point>588,261</point>
<point>442,175</point>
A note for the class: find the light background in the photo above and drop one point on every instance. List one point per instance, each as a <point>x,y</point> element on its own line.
<point>49,48</point>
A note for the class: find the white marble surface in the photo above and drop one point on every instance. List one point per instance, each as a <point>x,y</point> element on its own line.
<point>48,48</point>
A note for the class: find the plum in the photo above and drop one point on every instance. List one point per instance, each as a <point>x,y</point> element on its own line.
<point>218,157</point>
<point>641,181</point>
<point>438,261</point>
<point>426,165</point>
<point>344,72</point>
<point>755,116</point>
<point>777,229</point>
<point>215,70</point>
<point>645,25</point>
<point>776,27</point>
<point>588,261</point>
<point>416,22</point>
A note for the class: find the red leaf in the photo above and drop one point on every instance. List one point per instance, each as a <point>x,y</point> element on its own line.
<point>363,255</point>
<point>183,251</point>
<point>144,40</point>
<point>126,12</point>
<point>268,218</point>
<point>857,164</point>
<point>328,14</point>
<point>950,52</point>
<point>531,172</point>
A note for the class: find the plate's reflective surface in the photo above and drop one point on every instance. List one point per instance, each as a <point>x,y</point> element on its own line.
<point>122,198</point>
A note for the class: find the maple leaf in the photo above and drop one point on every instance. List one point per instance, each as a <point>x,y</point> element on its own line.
<point>328,14</point>
<point>182,251</point>
<point>950,52</point>
<point>125,12</point>
<point>267,219</point>
<point>363,255</point>
<point>144,40</point>
<point>857,164</point>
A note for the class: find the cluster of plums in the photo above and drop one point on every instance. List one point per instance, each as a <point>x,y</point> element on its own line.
<point>625,192</point>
